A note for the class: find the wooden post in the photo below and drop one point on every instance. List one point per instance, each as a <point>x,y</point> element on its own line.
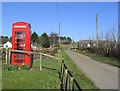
<point>6,55</point>
<point>40,61</point>
<point>62,77</point>
<point>66,78</point>
<point>9,57</point>
<point>59,33</point>
<point>71,83</point>
<point>97,31</point>
<point>62,66</point>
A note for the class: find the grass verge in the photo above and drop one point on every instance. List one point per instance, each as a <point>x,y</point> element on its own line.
<point>64,46</point>
<point>84,82</point>
<point>111,61</point>
<point>48,78</point>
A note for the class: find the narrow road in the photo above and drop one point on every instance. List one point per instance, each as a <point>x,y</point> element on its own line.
<point>103,75</point>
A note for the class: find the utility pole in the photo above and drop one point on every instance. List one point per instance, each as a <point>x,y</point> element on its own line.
<point>96,31</point>
<point>59,33</point>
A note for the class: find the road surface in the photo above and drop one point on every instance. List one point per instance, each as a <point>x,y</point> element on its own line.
<point>103,75</point>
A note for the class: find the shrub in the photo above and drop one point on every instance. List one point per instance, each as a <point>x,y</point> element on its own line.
<point>24,67</point>
<point>7,67</point>
<point>57,46</point>
<point>15,67</point>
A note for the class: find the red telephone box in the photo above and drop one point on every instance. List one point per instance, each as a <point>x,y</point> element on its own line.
<point>21,33</point>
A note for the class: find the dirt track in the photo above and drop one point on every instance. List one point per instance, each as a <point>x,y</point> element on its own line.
<point>103,75</point>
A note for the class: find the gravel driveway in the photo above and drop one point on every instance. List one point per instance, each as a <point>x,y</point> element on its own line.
<point>103,75</point>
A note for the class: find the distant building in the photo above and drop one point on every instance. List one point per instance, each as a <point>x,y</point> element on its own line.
<point>87,43</point>
<point>92,43</point>
<point>32,46</point>
<point>7,45</point>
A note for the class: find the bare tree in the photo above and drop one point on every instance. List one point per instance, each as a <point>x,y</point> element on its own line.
<point>53,38</point>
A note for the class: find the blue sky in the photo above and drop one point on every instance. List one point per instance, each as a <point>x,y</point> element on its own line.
<point>78,19</point>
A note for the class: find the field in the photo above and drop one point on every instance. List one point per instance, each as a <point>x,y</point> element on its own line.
<point>48,78</point>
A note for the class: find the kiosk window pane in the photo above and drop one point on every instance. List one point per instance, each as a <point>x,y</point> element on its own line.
<point>19,44</point>
<point>15,44</point>
<point>19,48</point>
<point>21,56</point>
<point>19,40</point>
<point>19,36</point>
<point>18,60</point>
<point>19,32</point>
<point>17,56</point>
<point>21,60</point>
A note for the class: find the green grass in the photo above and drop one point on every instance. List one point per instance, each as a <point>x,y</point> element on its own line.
<point>74,45</point>
<point>64,46</point>
<point>84,82</point>
<point>48,78</point>
<point>0,78</point>
<point>111,61</point>
<point>29,80</point>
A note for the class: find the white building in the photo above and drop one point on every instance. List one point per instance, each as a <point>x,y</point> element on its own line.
<point>94,44</point>
<point>88,45</point>
<point>32,46</point>
<point>7,45</point>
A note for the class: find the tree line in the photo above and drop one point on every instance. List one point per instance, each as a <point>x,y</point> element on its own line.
<point>49,40</point>
<point>44,40</point>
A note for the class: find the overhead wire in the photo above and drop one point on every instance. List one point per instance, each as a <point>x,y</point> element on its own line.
<point>92,19</point>
<point>99,14</point>
<point>90,22</point>
<point>57,12</point>
<point>76,8</point>
<point>106,9</point>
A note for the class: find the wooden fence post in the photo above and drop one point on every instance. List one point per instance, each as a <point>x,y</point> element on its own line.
<point>71,83</point>
<point>40,61</point>
<point>9,57</point>
<point>62,67</point>
<point>66,78</point>
<point>6,55</point>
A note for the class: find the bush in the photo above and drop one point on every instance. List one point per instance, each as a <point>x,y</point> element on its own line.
<point>57,46</point>
<point>24,67</point>
<point>7,67</point>
<point>15,67</point>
